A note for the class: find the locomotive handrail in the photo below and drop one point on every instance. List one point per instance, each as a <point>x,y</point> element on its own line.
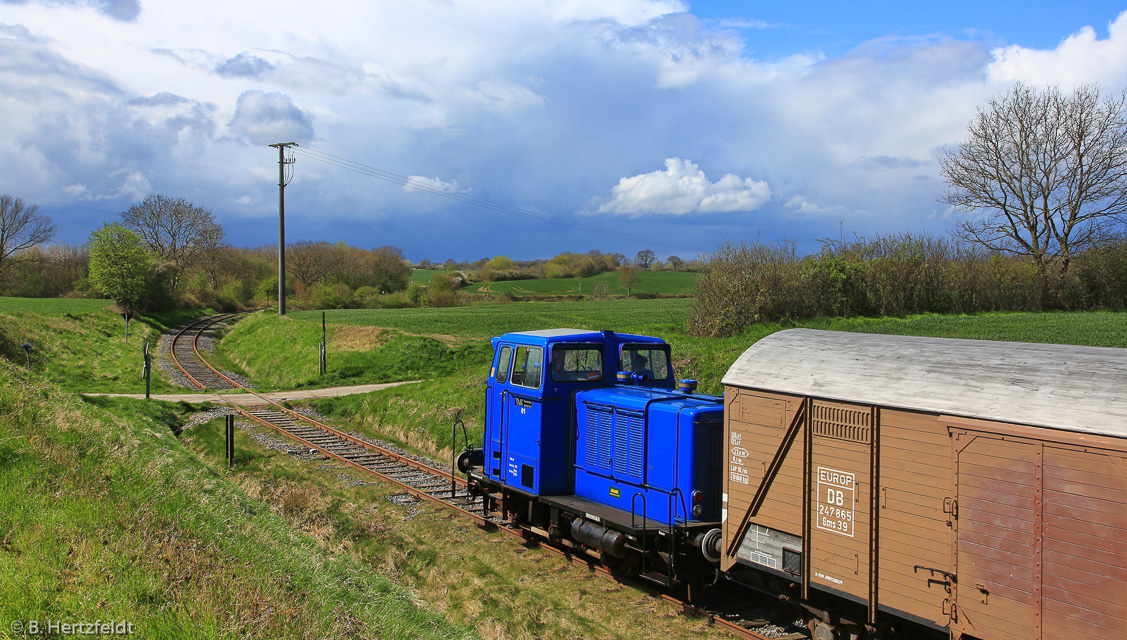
<point>633,499</point>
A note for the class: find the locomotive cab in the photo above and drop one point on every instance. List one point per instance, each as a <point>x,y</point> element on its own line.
<point>529,427</point>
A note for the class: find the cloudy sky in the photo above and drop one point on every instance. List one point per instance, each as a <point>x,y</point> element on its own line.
<point>472,128</point>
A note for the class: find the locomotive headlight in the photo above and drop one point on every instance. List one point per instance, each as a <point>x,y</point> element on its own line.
<point>698,507</point>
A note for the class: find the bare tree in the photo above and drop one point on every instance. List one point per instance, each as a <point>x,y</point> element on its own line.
<point>1041,173</point>
<point>176,230</point>
<point>309,262</point>
<point>645,258</point>
<point>21,227</point>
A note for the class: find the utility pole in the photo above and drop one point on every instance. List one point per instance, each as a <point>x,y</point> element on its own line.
<point>283,162</point>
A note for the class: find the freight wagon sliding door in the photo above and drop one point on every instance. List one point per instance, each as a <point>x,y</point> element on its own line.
<point>1041,537</point>
<point>997,537</point>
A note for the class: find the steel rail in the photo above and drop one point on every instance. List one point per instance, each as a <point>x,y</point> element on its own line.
<point>207,323</point>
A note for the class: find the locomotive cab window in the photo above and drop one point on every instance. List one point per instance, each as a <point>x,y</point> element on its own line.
<point>577,363</point>
<point>503,362</point>
<point>651,361</point>
<point>527,367</point>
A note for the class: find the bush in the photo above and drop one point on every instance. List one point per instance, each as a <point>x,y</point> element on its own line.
<point>893,275</point>
<point>397,300</point>
<point>330,296</point>
<point>444,298</point>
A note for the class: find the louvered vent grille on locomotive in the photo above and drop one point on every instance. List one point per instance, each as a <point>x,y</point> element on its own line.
<point>599,437</point>
<point>843,423</point>
<point>629,444</point>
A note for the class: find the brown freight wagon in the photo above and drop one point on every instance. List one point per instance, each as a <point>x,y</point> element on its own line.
<point>978,488</point>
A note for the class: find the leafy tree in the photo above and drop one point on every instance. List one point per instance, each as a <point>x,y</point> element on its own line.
<point>501,263</point>
<point>176,230</point>
<point>21,227</point>
<point>389,269</point>
<point>628,278</point>
<point>676,263</point>
<point>120,265</point>
<point>645,258</point>
<point>1043,173</point>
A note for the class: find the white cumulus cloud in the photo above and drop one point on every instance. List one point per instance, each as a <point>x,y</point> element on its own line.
<point>684,188</point>
<point>422,183</point>
<point>1080,58</point>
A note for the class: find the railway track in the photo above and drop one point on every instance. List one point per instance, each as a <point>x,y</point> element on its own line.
<point>185,354</point>
<point>415,477</point>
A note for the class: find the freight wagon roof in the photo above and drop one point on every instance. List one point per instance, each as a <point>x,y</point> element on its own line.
<point>1067,387</point>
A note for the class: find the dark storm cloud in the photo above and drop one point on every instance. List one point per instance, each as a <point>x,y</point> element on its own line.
<point>122,10</point>
<point>244,65</point>
<point>265,118</point>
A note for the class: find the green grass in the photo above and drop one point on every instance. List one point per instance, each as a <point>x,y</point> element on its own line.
<point>281,353</point>
<point>422,414</point>
<point>88,352</point>
<point>104,514</point>
<point>422,276</point>
<point>52,306</point>
<point>483,321</point>
<point>660,282</point>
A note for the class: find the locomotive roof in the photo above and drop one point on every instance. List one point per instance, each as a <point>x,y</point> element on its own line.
<point>543,335</point>
<point>1066,387</point>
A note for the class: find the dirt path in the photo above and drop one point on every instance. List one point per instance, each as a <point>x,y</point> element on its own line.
<point>250,399</point>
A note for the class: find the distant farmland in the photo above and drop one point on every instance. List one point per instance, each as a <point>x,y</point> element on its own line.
<point>664,282</point>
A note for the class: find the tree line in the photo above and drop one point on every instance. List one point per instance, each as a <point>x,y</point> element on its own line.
<point>167,252</point>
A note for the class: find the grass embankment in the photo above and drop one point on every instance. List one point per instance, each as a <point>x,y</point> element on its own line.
<point>104,515</point>
<point>485,580</point>
<point>52,306</point>
<point>451,357</point>
<point>421,415</point>
<point>86,350</point>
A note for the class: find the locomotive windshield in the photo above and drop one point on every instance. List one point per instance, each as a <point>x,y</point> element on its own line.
<point>577,363</point>
<point>647,360</point>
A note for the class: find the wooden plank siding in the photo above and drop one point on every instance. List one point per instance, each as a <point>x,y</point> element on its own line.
<point>840,525</point>
<point>997,537</point>
<point>1085,534</point>
<point>915,478</point>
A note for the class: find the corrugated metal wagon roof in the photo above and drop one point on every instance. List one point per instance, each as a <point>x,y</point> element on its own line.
<point>1067,387</point>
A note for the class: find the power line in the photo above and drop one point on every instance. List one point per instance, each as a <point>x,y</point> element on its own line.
<point>466,198</point>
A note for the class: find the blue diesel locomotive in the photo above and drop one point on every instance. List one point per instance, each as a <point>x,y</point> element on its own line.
<point>590,441</point>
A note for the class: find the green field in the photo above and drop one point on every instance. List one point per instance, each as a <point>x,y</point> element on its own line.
<point>422,276</point>
<point>52,306</point>
<point>659,282</point>
<point>483,321</point>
